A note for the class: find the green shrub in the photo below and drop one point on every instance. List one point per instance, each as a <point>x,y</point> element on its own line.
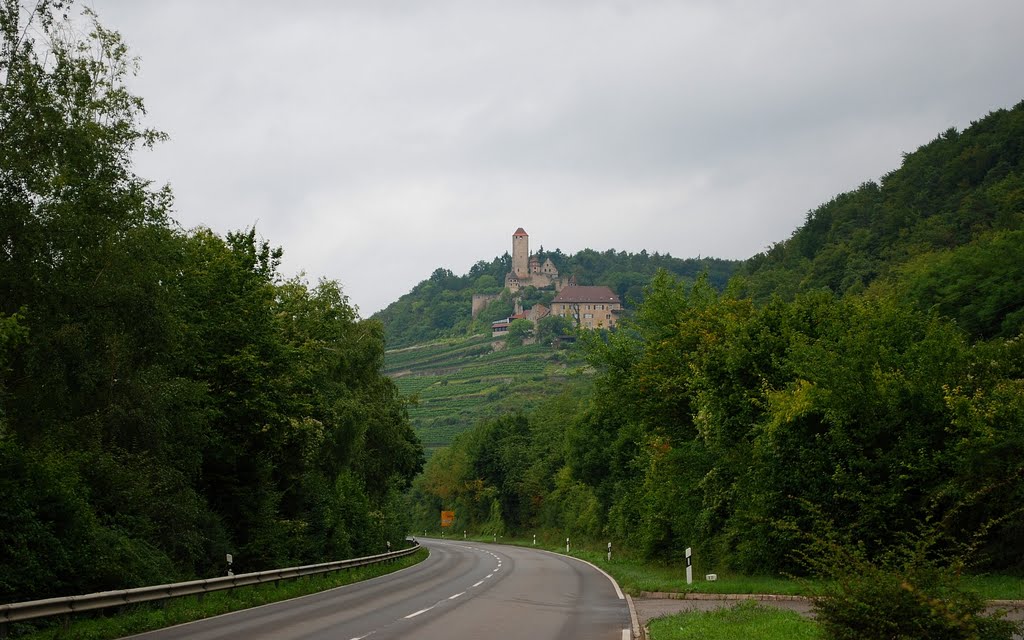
<point>914,590</point>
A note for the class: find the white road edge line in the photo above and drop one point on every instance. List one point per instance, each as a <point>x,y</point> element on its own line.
<point>627,634</point>
<point>618,591</point>
<point>457,595</point>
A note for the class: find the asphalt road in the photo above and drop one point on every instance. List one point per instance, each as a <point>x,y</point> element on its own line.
<point>462,590</point>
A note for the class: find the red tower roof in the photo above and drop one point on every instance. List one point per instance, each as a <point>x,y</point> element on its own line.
<point>520,232</point>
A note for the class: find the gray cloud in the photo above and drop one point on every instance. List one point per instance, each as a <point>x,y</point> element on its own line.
<point>377,141</point>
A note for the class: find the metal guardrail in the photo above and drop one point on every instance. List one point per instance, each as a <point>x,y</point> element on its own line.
<point>19,611</point>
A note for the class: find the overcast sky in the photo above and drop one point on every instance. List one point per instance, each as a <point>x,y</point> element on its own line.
<point>376,141</point>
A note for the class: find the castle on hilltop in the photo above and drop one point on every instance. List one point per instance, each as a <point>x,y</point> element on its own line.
<point>591,307</point>
<point>527,270</point>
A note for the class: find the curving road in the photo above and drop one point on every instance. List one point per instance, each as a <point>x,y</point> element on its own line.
<point>464,590</point>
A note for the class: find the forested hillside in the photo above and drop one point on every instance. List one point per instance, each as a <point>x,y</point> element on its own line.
<point>441,306</point>
<point>862,381</point>
<point>165,396</point>
<point>946,228</point>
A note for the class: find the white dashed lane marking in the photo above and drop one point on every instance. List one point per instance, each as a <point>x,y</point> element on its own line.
<point>421,611</point>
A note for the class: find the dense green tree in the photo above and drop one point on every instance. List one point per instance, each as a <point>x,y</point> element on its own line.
<point>979,284</point>
<point>552,327</point>
<point>89,257</point>
<point>729,427</point>
<point>518,330</point>
<point>865,372</point>
<point>942,224</point>
<point>164,396</point>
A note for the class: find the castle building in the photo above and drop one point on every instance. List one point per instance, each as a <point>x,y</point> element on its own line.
<point>527,270</point>
<point>534,314</point>
<point>588,307</point>
<point>520,253</point>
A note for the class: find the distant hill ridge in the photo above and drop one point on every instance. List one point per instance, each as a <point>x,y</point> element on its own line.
<point>442,305</point>
<point>946,229</point>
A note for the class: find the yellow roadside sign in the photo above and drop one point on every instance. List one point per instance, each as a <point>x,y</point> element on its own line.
<point>447,518</point>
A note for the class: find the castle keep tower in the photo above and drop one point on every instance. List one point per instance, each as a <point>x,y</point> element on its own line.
<point>527,270</point>
<point>520,253</point>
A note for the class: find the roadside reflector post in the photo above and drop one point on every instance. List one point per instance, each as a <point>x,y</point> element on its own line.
<point>609,552</point>
<point>535,539</point>
<point>689,565</point>
<point>230,560</point>
<point>463,534</point>
<point>567,545</point>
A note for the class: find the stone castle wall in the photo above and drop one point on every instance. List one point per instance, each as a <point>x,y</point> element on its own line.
<point>481,300</point>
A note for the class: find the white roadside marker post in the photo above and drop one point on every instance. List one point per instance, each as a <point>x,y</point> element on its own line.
<point>535,539</point>
<point>609,552</point>
<point>689,566</point>
<point>567,545</point>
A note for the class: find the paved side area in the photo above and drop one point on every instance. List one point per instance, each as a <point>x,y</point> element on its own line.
<point>655,605</point>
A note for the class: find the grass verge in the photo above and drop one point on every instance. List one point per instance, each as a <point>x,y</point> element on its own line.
<point>635,575</point>
<point>745,621</point>
<point>133,619</point>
